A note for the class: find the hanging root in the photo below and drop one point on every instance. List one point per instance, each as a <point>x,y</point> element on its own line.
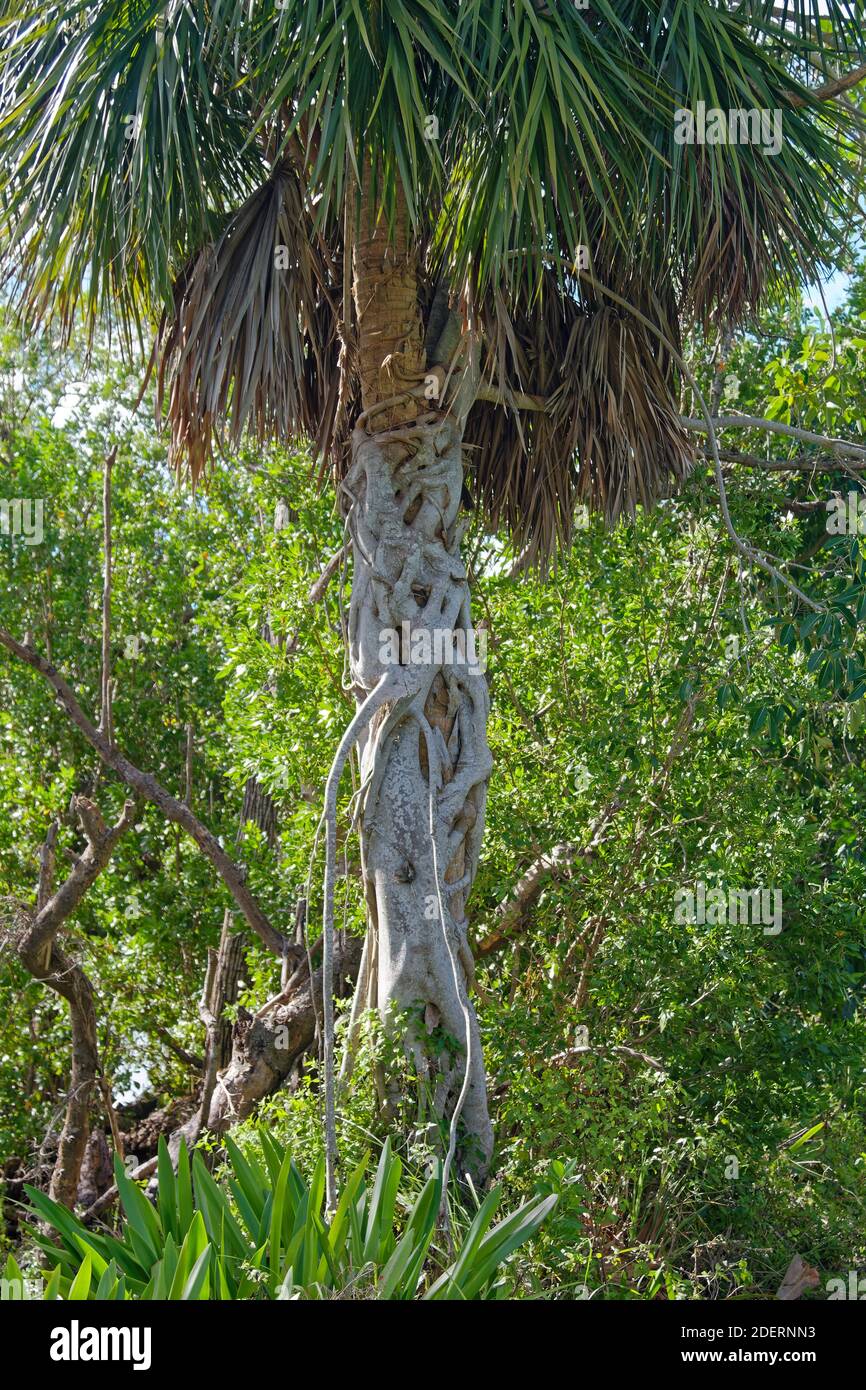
<point>392,685</point>
<point>359,1003</point>
<point>434,777</point>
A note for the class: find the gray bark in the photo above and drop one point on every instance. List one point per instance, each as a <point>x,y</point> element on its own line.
<point>144,785</point>
<point>42,957</point>
<point>425,762</point>
<point>220,989</point>
<point>264,1049</point>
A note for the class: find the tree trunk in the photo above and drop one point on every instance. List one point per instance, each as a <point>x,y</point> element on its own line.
<point>46,962</point>
<point>264,1049</point>
<point>220,989</point>
<point>40,954</point>
<point>76,988</point>
<point>422,711</point>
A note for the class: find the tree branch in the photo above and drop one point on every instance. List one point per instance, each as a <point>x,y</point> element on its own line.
<point>511,912</point>
<point>47,860</point>
<point>754,422</point>
<point>317,591</point>
<point>146,786</point>
<point>801,464</point>
<point>189,1059</point>
<point>105,721</point>
<point>40,955</point>
<point>574,1055</point>
<point>847,447</point>
<point>834,88</point>
<point>497,396</point>
<point>35,947</point>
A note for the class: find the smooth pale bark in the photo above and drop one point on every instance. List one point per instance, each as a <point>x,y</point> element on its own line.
<point>425,762</point>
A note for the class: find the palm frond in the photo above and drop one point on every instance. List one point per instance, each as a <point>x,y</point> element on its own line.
<point>821,34</point>
<point>252,339</point>
<point>734,220</point>
<point>157,156</point>
<point>123,146</point>
<point>609,436</point>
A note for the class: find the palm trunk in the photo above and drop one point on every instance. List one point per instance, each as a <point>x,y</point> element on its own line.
<point>422,716</point>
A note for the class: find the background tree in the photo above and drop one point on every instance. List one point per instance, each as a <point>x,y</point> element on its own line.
<point>594,672</point>
<point>448,241</point>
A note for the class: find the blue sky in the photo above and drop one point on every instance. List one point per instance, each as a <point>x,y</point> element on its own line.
<point>835,289</point>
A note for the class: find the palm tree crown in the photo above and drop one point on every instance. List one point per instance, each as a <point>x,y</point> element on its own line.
<point>204,167</point>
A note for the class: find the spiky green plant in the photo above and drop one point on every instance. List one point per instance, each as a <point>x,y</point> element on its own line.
<point>261,1233</point>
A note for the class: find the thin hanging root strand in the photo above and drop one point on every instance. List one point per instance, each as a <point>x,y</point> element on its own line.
<point>434,762</point>
<point>390,686</point>
<point>359,1000</point>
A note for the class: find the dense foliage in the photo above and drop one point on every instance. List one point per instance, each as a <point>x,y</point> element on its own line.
<point>693,1093</point>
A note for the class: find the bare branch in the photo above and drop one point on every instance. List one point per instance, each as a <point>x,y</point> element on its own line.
<point>511,910</point>
<point>555,865</point>
<point>109,1197</point>
<point>831,89</point>
<point>105,719</point>
<point>47,860</point>
<point>105,1089</point>
<point>574,1055</point>
<point>754,422</point>
<point>507,397</point>
<point>91,820</point>
<point>146,786</point>
<point>35,946</point>
<point>317,592</point>
<point>189,1059</point>
<point>801,464</point>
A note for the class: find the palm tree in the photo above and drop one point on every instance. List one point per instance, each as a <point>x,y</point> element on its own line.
<point>457,244</point>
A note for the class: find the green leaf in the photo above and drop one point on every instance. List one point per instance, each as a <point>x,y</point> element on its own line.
<point>79,1290</point>
<point>482,1254</point>
<point>804,1138</point>
<point>139,1213</point>
<point>197,1286</point>
<point>167,1191</point>
<point>183,1191</point>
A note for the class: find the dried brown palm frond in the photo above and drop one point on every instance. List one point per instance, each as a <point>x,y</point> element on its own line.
<point>745,239</point>
<point>253,343</point>
<point>609,435</point>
